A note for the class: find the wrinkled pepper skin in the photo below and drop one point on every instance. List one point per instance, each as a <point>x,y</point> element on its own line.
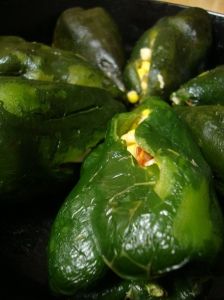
<point>37,61</point>
<point>206,123</point>
<point>74,262</point>
<point>46,130</point>
<point>157,216</point>
<point>174,50</point>
<point>207,88</point>
<point>93,34</point>
<point>140,220</point>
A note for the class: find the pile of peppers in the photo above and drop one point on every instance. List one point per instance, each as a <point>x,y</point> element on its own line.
<point>145,138</point>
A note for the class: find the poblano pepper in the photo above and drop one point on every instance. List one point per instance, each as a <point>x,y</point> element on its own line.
<point>93,34</point>
<point>144,204</point>
<point>46,129</point>
<point>74,262</point>
<point>207,126</point>
<point>37,61</point>
<point>168,54</point>
<point>206,88</point>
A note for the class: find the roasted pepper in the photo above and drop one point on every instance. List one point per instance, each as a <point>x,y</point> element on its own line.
<point>74,262</point>
<point>206,88</point>
<point>168,54</point>
<point>206,123</point>
<point>93,34</point>
<point>40,62</point>
<point>144,204</point>
<point>46,129</point>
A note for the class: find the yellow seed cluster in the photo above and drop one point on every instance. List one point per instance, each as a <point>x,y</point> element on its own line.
<point>129,137</point>
<point>133,97</point>
<point>144,66</point>
<point>145,53</point>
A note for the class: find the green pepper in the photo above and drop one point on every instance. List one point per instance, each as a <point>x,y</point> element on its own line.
<point>159,211</point>
<point>206,123</point>
<point>46,130</point>
<point>168,54</point>
<point>144,204</point>
<point>93,34</point>
<point>206,88</point>
<point>40,62</point>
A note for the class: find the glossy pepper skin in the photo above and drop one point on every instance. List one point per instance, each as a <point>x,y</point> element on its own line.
<point>74,262</point>
<point>206,123</point>
<point>46,130</point>
<point>159,211</point>
<point>93,34</point>
<point>142,214</point>
<point>169,53</point>
<point>207,88</point>
<point>37,61</point>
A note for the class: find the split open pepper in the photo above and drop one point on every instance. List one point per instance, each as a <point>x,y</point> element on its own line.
<point>144,204</point>
<point>168,54</point>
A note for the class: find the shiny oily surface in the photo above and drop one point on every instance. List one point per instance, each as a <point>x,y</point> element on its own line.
<point>94,35</point>
<point>206,88</point>
<point>37,61</point>
<point>148,211</point>
<point>138,221</point>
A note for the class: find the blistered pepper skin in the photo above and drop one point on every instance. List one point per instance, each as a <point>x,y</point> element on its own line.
<point>206,123</point>
<point>45,134</point>
<point>140,220</point>
<point>206,88</point>
<point>151,214</point>
<point>37,61</point>
<point>169,53</point>
<point>74,262</point>
<point>93,34</point>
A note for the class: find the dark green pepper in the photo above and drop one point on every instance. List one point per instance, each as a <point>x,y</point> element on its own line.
<point>168,54</point>
<point>207,126</point>
<point>46,129</point>
<point>207,88</point>
<point>144,204</point>
<point>155,207</point>
<point>93,34</point>
<point>74,261</point>
<point>40,62</point>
